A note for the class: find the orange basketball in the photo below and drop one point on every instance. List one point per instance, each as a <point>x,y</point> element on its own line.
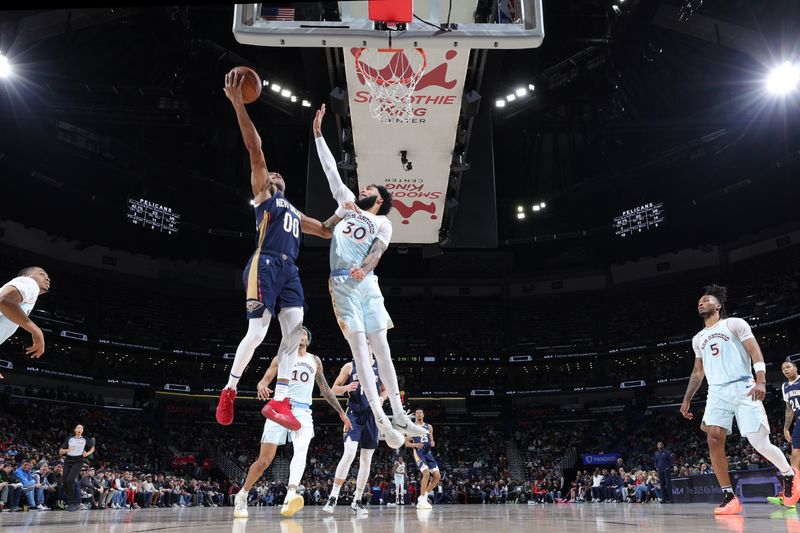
<point>251,86</point>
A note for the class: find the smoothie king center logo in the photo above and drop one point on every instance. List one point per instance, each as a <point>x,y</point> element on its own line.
<point>409,195</point>
<point>400,66</point>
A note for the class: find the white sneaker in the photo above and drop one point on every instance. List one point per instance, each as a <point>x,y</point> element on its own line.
<point>390,504</point>
<point>291,505</point>
<point>424,504</point>
<point>359,508</point>
<point>394,438</point>
<point>240,505</point>
<point>331,505</point>
<point>405,425</point>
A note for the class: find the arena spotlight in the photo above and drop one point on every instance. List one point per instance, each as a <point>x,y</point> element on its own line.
<point>275,87</point>
<point>520,216</point>
<point>520,209</point>
<point>293,98</point>
<point>784,78</point>
<point>511,98</point>
<point>531,87</point>
<point>500,103</point>
<point>252,202</point>
<point>5,67</point>
<point>306,103</point>
<point>522,91</point>
<point>537,208</point>
<point>542,205</point>
<point>286,93</point>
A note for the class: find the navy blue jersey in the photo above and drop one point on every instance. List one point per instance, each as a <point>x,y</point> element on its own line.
<point>791,394</point>
<point>425,440</point>
<point>278,225</point>
<point>357,400</point>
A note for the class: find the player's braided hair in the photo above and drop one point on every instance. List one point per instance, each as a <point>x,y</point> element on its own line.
<point>721,294</point>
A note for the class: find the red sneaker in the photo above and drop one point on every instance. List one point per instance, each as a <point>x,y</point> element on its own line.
<point>225,406</point>
<point>791,488</point>
<point>280,412</point>
<point>732,506</point>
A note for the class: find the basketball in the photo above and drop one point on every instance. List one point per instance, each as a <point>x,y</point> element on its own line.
<point>251,87</point>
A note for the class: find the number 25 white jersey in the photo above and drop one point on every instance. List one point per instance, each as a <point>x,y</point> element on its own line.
<point>720,346</point>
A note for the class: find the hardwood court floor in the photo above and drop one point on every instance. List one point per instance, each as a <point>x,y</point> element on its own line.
<point>566,518</point>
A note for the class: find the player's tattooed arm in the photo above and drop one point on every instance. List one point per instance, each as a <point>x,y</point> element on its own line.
<point>788,418</point>
<point>371,261</point>
<point>330,397</point>
<point>312,226</point>
<point>695,380</point>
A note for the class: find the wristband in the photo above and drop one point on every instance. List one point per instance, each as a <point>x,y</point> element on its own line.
<point>760,366</point>
<point>340,212</point>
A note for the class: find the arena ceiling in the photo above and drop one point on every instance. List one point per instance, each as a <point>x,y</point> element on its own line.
<point>636,102</point>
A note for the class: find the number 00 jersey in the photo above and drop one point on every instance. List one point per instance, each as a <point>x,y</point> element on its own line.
<point>724,358</point>
<point>353,237</point>
<point>278,225</point>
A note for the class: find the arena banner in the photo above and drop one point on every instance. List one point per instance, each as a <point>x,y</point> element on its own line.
<point>418,179</point>
<point>597,459</point>
<point>751,486</point>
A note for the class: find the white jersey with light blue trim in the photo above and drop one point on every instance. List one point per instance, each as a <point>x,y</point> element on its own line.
<point>303,378</point>
<point>353,237</point>
<point>29,290</point>
<point>724,357</point>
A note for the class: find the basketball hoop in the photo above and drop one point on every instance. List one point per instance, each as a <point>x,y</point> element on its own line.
<point>391,75</point>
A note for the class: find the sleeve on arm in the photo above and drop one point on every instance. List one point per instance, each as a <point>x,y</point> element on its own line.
<point>26,287</point>
<point>89,444</point>
<point>65,445</point>
<point>696,348</point>
<point>740,328</point>
<point>385,232</point>
<point>338,189</point>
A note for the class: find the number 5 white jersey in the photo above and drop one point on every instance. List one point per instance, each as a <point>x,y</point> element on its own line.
<point>725,359</point>
<point>302,379</point>
<point>353,237</point>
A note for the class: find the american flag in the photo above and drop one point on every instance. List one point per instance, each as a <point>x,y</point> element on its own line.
<point>277,13</point>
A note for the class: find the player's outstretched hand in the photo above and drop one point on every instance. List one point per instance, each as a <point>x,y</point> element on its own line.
<point>357,273</point>
<point>263,391</point>
<point>316,126</point>
<point>36,349</point>
<point>787,435</point>
<point>351,206</point>
<point>685,411</point>
<point>346,421</point>
<point>758,392</point>
<point>233,87</point>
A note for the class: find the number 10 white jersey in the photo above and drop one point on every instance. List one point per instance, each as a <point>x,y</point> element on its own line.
<point>302,379</point>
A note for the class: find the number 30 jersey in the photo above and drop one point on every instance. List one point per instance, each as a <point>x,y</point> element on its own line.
<point>302,378</point>
<point>725,359</point>
<point>278,225</point>
<point>353,237</point>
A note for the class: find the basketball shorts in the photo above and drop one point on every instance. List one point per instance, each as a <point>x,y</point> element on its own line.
<point>274,285</point>
<point>726,402</point>
<point>400,484</point>
<point>425,461</point>
<point>358,305</point>
<point>796,436</point>
<point>276,434</point>
<point>365,430</point>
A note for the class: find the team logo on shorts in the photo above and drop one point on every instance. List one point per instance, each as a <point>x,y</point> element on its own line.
<point>253,305</point>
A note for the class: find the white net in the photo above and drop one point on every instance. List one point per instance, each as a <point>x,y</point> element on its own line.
<point>391,74</point>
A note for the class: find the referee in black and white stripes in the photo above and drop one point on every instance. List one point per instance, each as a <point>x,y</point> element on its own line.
<point>75,448</point>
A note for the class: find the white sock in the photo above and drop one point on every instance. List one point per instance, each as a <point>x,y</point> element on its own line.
<point>256,331</point>
<point>335,490</point>
<point>383,355</point>
<point>358,494</point>
<point>290,493</point>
